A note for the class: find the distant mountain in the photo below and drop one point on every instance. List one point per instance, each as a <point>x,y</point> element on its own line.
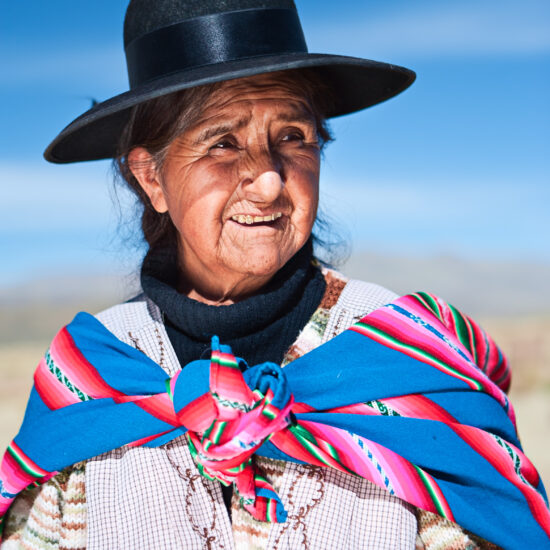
<point>70,289</point>
<point>487,288</point>
<point>35,310</point>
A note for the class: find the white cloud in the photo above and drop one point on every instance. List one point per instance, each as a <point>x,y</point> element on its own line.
<point>475,217</point>
<point>45,197</point>
<point>59,217</point>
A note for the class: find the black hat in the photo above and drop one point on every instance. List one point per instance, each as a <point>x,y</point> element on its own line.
<point>176,44</point>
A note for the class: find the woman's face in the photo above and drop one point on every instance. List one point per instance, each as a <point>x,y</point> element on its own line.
<point>241,187</point>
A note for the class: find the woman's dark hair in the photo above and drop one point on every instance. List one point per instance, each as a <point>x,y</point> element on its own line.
<point>154,124</point>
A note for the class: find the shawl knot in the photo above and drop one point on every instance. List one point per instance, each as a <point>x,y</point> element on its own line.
<point>240,417</point>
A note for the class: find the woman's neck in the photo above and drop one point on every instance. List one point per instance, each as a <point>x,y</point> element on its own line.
<point>259,328</point>
<point>218,294</point>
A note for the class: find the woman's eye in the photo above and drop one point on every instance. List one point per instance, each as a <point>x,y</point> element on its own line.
<point>293,137</point>
<point>223,144</point>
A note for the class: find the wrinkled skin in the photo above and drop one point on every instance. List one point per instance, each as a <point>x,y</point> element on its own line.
<point>254,152</point>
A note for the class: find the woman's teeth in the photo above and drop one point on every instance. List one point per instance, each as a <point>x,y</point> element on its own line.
<point>249,220</point>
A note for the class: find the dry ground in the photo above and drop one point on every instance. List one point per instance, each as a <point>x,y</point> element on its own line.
<point>526,341</point>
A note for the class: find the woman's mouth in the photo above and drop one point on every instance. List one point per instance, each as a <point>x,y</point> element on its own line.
<point>247,219</point>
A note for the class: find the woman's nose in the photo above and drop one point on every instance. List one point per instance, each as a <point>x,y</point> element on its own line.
<point>266,187</point>
<point>264,182</point>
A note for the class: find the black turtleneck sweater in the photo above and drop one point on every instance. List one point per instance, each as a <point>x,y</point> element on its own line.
<point>258,329</point>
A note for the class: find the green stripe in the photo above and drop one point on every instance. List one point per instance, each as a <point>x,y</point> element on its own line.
<point>237,469</point>
<point>269,413</point>
<point>472,345</point>
<point>463,325</point>
<point>62,378</point>
<point>191,445</point>
<point>260,477</point>
<point>419,351</point>
<point>45,541</point>
<point>333,452</point>
<point>461,330</point>
<point>233,404</point>
<point>220,427</point>
<point>308,441</point>
<point>207,432</point>
<point>427,301</point>
<point>226,363</point>
<point>382,408</point>
<point>169,389</point>
<point>301,432</point>
<point>313,450</point>
<point>20,460</point>
<point>427,483</point>
<point>487,351</point>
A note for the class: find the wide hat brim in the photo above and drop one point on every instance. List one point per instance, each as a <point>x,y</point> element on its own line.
<point>356,84</point>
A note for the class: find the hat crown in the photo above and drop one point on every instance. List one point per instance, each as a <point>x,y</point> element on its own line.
<point>173,45</point>
<point>146,16</point>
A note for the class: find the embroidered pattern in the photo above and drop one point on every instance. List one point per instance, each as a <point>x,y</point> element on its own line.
<point>381,407</point>
<point>58,373</point>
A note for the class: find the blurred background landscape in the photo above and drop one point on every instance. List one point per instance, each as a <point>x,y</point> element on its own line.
<point>445,188</point>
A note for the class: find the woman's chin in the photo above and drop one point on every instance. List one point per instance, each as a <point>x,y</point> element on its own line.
<point>260,266</point>
<point>262,260</point>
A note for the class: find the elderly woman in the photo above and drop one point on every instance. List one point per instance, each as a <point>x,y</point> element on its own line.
<point>144,431</point>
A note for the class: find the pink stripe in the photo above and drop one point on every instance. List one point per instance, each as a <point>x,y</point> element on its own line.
<point>487,447</point>
<point>160,406</point>
<point>76,367</point>
<point>350,453</point>
<point>225,357</point>
<point>439,495</point>
<point>198,414</point>
<point>419,406</point>
<point>53,393</point>
<point>28,461</point>
<point>144,440</point>
<point>406,330</point>
<point>15,479</point>
<point>359,408</point>
<point>403,477</point>
<point>273,510</point>
<point>411,353</point>
<point>434,346</point>
<point>228,382</point>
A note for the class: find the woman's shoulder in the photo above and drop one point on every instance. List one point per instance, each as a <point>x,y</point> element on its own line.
<point>131,316</point>
<point>347,300</point>
<point>139,323</point>
<point>357,293</point>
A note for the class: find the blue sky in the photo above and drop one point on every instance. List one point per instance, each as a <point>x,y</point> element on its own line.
<point>457,165</point>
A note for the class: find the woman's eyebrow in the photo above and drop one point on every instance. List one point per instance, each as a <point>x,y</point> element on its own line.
<point>299,116</point>
<point>226,127</point>
<point>219,129</point>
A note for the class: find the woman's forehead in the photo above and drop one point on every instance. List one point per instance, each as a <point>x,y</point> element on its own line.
<point>277,88</point>
<point>243,110</point>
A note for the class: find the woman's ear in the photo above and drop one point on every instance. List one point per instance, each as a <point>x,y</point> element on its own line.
<point>143,167</point>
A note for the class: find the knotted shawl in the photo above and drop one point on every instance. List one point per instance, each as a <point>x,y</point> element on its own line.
<point>410,397</point>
